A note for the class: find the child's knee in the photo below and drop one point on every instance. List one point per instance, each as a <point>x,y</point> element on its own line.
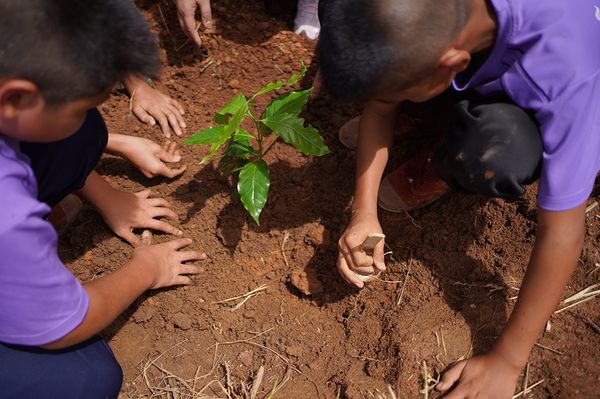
<point>492,149</point>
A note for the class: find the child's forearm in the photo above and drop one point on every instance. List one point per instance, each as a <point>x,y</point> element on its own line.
<point>375,136</point>
<point>558,246</point>
<point>116,144</point>
<point>96,190</point>
<point>108,297</point>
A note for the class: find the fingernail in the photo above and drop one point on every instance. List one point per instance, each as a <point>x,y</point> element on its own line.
<point>184,125</point>
<point>180,233</point>
<point>208,23</point>
<point>177,158</point>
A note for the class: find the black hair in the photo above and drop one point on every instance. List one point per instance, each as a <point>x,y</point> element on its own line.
<point>74,48</point>
<point>364,42</point>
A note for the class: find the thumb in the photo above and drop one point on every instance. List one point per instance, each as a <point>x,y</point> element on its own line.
<point>147,237</point>
<point>130,237</point>
<point>451,376</point>
<point>166,156</point>
<point>378,256</point>
<point>171,173</point>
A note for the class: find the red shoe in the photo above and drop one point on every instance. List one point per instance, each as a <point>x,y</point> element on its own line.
<point>65,212</point>
<point>413,185</point>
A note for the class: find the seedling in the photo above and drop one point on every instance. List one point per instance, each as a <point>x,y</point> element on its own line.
<point>243,151</point>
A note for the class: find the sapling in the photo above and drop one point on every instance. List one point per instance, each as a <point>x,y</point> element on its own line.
<point>243,151</point>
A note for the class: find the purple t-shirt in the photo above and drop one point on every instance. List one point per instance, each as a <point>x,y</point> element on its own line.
<point>40,300</point>
<point>547,59</point>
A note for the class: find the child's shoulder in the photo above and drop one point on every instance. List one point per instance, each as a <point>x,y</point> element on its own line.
<point>18,187</point>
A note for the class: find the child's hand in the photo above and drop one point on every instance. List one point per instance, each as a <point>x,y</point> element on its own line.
<point>351,257</point>
<point>148,156</point>
<point>126,211</point>
<point>150,105</point>
<point>489,376</point>
<point>166,260</point>
<point>186,13</point>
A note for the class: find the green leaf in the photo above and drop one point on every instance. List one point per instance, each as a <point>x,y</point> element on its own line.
<point>232,108</point>
<point>212,135</point>
<point>291,103</point>
<point>253,186</point>
<point>280,83</point>
<point>242,134</point>
<point>292,130</point>
<point>230,164</point>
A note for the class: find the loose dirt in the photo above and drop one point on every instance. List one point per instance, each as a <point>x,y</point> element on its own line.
<point>457,264</point>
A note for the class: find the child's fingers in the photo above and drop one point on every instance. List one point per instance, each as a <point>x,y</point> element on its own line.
<point>163,121</point>
<point>128,236</point>
<point>157,202</point>
<point>164,227</point>
<point>176,245</point>
<point>144,194</point>
<point>180,119</point>
<point>378,256</point>
<point>206,13</point>
<point>174,122</point>
<point>143,115</point>
<point>161,212</point>
<point>168,156</point>
<point>178,106</point>
<point>189,269</point>
<point>146,237</point>
<point>346,273</point>
<point>451,376</point>
<point>191,255</point>
<point>187,20</point>
<point>171,173</point>
<point>183,280</point>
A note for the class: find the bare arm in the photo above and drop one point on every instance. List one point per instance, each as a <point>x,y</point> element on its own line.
<point>375,136</point>
<point>152,266</point>
<point>558,246</point>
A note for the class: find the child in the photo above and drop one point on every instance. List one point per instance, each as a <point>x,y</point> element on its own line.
<point>306,21</point>
<point>60,60</point>
<point>543,56</point>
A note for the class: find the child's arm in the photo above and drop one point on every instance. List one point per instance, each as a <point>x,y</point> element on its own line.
<point>557,248</point>
<point>149,157</point>
<point>186,13</point>
<point>152,266</point>
<point>123,211</point>
<point>375,136</point>
<point>150,105</point>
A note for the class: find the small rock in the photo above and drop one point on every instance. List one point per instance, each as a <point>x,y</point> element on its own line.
<point>234,84</point>
<point>306,281</point>
<point>294,350</point>
<point>182,321</point>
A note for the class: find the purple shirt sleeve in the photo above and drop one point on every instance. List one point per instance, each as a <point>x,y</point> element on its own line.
<point>570,128</point>
<point>40,300</point>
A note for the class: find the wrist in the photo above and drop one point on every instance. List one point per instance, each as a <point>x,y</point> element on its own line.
<point>509,355</point>
<point>139,270</point>
<point>117,144</point>
<point>133,82</point>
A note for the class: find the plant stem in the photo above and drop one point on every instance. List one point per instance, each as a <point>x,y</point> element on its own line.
<point>270,145</point>
<point>259,130</point>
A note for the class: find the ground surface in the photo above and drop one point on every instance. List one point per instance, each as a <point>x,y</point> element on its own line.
<point>456,264</point>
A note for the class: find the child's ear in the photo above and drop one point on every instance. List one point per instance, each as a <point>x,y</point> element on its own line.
<point>18,95</point>
<point>455,60</point>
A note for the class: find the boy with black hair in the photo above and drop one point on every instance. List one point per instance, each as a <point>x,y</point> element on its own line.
<point>544,57</point>
<point>59,59</point>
